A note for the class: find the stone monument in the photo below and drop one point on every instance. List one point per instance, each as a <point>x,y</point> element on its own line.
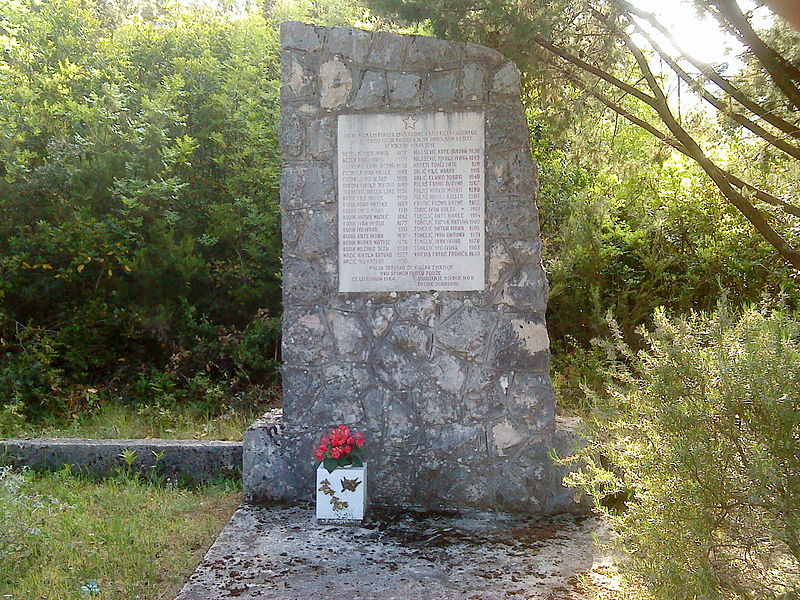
<point>414,295</point>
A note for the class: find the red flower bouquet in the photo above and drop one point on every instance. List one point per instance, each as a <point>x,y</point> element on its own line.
<point>340,448</point>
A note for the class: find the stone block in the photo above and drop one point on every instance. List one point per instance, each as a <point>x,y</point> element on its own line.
<point>449,373</point>
<point>411,338</point>
<point>442,88</point>
<point>427,53</point>
<point>292,135</point>
<point>336,404</point>
<point>506,128</point>
<point>465,332</point>
<point>291,225</point>
<point>297,81</point>
<point>335,83</point>
<point>396,369</point>
<point>419,307</point>
<point>379,318</point>
<point>350,44</point>
<point>526,288</point>
<point>506,81</point>
<point>303,281</point>
<point>473,86</point>
<point>301,36</point>
<point>531,401</point>
<point>388,50</point>
<point>305,381</point>
<point>483,54</point>
<point>404,89</point>
<point>505,436</point>
<point>527,252</point>
<point>501,264</point>
<point>435,406</point>
<point>179,461</point>
<point>275,462</point>
<point>350,335</point>
<point>510,173</point>
<point>321,138</point>
<point>520,343</point>
<point>306,338</point>
<point>318,234</point>
<point>307,185</point>
<point>372,93</point>
<point>511,217</point>
<point>308,280</point>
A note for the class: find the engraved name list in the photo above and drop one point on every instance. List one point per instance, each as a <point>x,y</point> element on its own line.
<point>411,202</point>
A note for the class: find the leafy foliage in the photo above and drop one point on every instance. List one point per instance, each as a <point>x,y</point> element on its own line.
<point>139,228</point>
<point>700,434</point>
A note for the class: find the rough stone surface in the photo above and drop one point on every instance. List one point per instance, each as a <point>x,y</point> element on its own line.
<point>451,389</point>
<point>276,552</point>
<point>189,461</point>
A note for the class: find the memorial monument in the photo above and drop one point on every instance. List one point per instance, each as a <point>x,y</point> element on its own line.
<point>414,295</point>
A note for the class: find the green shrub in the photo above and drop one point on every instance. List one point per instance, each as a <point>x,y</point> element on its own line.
<point>701,434</point>
<point>139,221</point>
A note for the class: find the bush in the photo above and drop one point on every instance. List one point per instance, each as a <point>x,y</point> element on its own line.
<point>700,433</point>
<point>139,220</point>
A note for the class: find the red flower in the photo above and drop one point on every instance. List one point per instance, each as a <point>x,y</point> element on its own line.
<point>338,444</point>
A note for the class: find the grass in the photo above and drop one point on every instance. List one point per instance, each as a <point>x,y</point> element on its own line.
<point>138,539</point>
<point>152,421</point>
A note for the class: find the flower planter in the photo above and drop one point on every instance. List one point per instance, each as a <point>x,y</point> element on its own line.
<point>341,495</point>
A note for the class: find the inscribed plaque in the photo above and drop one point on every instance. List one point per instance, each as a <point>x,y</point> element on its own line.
<point>411,203</point>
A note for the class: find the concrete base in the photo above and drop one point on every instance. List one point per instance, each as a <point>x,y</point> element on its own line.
<point>278,466</point>
<point>185,461</point>
<point>277,552</point>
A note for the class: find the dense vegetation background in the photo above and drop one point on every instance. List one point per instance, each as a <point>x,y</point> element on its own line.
<point>139,227</point>
<point>139,231</point>
<point>140,255</point>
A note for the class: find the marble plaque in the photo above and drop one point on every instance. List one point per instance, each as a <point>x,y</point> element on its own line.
<point>411,202</point>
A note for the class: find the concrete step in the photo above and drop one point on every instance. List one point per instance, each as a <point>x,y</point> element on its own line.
<point>184,461</point>
<point>278,552</point>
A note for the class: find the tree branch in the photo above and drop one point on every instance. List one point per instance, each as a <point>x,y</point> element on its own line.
<point>781,71</point>
<point>716,102</point>
<point>750,212</point>
<point>707,70</point>
<point>547,45</point>
<point>765,197</point>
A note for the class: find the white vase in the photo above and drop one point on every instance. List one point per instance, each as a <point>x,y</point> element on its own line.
<point>341,495</point>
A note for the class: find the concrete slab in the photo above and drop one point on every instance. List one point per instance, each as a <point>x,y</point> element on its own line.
<point>278,552</point>
<point>186,461</point>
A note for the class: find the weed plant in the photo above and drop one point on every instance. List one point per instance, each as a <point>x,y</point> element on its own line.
<point>697,445</point>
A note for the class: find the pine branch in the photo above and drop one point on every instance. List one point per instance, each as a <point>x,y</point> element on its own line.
<point>781,71</point>
<point>708,71</point>
<point>734,196</point>
<point>765,197</point>
<point>716,102</point>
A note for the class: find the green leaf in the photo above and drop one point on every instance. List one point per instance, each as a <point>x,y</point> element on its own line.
<point>330,464</point>
<point>356,461</point>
